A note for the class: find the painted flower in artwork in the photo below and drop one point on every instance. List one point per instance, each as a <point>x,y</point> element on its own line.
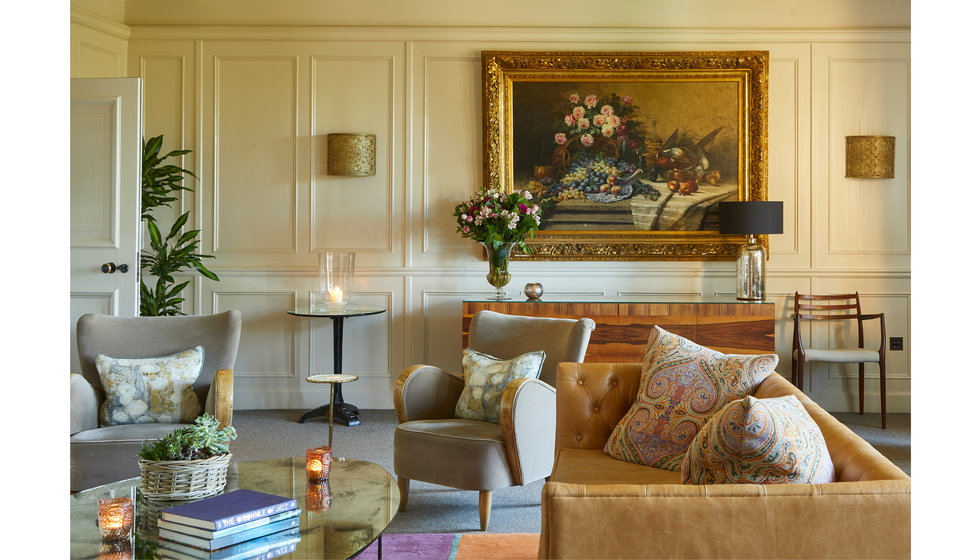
<point>608,117</point>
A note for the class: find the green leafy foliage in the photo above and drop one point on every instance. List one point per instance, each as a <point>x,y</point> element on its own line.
<point>201,440</point>
<point>175,253</point>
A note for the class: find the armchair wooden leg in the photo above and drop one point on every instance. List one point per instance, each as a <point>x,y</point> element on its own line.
<point>403,490</point>
<point>486,499</point>
<point>881,384</point>
<point>861,388</point>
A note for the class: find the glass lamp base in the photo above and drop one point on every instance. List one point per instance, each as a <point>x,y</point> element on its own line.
<point>750,275</point>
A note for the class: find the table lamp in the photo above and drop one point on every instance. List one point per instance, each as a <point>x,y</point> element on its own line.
<point>750,218</point>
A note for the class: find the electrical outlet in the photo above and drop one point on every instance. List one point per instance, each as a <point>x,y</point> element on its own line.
<point>895,343</point>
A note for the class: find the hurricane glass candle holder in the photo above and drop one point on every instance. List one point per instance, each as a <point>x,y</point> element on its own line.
<point>115,518</point>
<point>336,279</point>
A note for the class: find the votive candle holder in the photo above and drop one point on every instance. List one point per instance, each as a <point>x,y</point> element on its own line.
<point>318,461</point>
<point>318,496</point>
<point>115,518</point>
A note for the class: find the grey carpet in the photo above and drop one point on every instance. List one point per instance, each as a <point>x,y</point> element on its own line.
<point>269,434</point>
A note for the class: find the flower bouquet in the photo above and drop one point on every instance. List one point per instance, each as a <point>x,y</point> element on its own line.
<point>498,221</point>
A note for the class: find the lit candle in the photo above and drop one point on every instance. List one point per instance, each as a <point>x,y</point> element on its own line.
<point>115,518</point>
<point>318,496</point>
<point>336,295</point>
<point>317,464</point>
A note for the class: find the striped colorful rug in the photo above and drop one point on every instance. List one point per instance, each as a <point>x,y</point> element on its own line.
<point>459,546</point>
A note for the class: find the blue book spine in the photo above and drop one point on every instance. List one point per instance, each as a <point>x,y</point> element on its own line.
<point>228,510</point>
<point>233,538</point>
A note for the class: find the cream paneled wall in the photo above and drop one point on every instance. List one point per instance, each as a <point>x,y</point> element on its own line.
<point>256,103</point>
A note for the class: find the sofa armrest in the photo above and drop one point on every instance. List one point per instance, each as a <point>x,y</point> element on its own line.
<point>84,405</point>
<point>852,519</point>
<point>426,392</point>
<point>527,422</point>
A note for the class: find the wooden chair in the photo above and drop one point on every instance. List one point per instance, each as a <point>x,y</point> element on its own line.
<point>837,307</point>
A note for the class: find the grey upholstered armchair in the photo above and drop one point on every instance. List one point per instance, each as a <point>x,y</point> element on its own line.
<point>432,446</point>
<point>102,454</point>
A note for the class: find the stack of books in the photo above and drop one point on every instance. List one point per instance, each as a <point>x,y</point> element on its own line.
<point>239,525</point>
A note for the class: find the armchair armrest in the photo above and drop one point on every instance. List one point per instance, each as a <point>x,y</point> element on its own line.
<point>527,421</point>
<point>426,392</point>
<point>84,403</point>
<point>223,387</point>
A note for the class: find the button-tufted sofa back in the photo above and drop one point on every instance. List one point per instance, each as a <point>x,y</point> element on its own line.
<point>591,400</point>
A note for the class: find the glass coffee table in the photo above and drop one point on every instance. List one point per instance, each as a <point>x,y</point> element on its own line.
<point>338,519</point>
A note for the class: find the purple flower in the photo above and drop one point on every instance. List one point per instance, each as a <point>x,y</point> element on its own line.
<point>522,207</point>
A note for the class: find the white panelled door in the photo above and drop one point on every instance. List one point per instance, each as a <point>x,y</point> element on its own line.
<point>106,171</point>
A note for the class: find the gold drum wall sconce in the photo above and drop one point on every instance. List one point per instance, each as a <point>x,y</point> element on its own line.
<point>350,154</point>
<point>870,157</point>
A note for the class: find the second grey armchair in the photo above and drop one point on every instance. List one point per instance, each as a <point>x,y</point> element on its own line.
<point>432,446</point>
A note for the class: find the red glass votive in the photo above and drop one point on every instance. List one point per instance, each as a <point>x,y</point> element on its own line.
<point>318,461</point>
<point>116,550</point>
<point>115,518</point>
<point>318,496</point>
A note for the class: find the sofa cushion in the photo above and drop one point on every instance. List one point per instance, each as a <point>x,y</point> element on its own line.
<point>682,385</point>
<point>143,390</point>
<point>485,378</point>
<point>759,441</point>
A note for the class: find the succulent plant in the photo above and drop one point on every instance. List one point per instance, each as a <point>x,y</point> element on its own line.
<point>201,440</point>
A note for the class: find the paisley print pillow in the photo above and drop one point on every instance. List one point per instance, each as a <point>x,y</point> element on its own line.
<point>485,379</point>
<point>759,441</point>
<point>142,390</point>
<point>682,385</point>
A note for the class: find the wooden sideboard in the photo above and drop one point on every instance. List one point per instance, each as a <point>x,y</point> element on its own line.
<point>623,324</point>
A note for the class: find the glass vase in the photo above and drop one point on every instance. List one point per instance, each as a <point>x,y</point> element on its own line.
<point>499,260</point>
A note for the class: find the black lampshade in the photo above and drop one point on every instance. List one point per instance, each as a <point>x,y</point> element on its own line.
<point>753,217</point>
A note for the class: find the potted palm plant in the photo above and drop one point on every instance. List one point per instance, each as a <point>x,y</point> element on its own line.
<point>175,253</point>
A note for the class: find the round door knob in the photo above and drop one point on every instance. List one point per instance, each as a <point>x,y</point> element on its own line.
<point>110,267</point>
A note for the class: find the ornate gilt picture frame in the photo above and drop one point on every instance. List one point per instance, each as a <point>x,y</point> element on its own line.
<point>628,153</point>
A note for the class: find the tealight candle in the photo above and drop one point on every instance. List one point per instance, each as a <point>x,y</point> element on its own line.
<point>336,295</point>
<point>115,518</point>
<point>318,462</point>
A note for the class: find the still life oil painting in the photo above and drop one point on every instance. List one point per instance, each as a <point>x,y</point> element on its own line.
<point>628,154</point>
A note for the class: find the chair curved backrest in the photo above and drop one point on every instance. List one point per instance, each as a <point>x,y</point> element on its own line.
<point>508,336</point>
<point>147,337</point>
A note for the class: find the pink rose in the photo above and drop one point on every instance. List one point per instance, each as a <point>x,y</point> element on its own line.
<point>627,100</point>
<point>578,112</point>
<point>590,101</point>
<point>598,120</point>
<point>583,123</point>
<point>560,138</point>
<point>587,140</point>
<point>608,130</point>
<point>574,98</point>
<point>621,130</point>
<point>613,120</point>
<point>569,120</point>
<point>607,110</point>
<point>466,229</point>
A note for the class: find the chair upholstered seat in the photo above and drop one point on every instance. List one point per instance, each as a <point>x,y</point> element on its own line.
<point>839,355</point>
<point>464,454</point>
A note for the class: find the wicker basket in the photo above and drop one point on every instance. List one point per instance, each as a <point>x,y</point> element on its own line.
<point>184,480</point>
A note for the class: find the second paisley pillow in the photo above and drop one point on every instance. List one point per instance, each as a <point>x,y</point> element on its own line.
<point>682,385</point>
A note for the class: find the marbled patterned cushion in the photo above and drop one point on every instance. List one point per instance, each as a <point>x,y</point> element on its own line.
<point>485,379</point>
<point>142,390</point>
<point>759,441</point>
<point>682,385</point>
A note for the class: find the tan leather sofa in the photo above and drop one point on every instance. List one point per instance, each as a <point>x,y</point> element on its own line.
<point>594,506</point>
